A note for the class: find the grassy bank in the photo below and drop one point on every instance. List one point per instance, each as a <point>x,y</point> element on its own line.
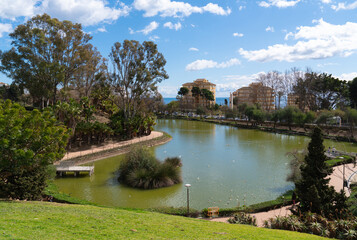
<point>40,220</point>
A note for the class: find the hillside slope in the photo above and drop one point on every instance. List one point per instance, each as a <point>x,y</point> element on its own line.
<point>43,220</point>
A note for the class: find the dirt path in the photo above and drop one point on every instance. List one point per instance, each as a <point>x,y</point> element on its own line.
<point>336,181</point>
<point>98,152</point>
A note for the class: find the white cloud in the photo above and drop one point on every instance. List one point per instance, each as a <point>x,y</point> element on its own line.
<point>131,31</point>
<point>5,28</point>
<point>279,3</point>
<point>270,29</point>
<point>149,28</point>
<point>154,38</point>
<point>170,25</point>
<point>344,6</point>
<point>231,83</point>
<point>238,34</point>
<point>168,91</point>
<point>241,8</point>
<point>87,12</point>
<point>204,64</point>
<point>324,40</point>
<point>102,29</point>
<point>193,49</point>
<point>326,1</point>
<point>348,76</point>
<point>168,8</point>
<point>11,9</point>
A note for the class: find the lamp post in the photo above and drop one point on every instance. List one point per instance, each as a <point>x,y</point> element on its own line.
<point>344,180</point>
<point>188,198</point>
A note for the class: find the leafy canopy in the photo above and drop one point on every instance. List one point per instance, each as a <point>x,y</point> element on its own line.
<point>29,143</point>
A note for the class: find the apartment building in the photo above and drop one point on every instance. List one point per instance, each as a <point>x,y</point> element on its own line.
<point>199,100</point>
<point>256,93</point>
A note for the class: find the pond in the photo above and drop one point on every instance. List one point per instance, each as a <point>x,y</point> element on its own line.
<point>226,167</point>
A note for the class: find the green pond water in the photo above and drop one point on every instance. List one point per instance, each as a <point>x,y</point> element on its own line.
<point>226,166</point>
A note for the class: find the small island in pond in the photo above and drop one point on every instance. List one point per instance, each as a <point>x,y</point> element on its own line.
<point>141,169</point>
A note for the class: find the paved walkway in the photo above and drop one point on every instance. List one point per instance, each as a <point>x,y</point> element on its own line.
<point>336,181</point>
<point>108,146</point>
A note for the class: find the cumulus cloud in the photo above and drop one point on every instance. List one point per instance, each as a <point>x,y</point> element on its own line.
<point>168,8</point>
<point>238,34</point>
<point>278,3</point>
<point>149,28</point>
<point>11,9</point>
<point>5,28</point>
<point>348,76</point>
<point>193,49</point>
<point>102,29</point>
<point>231,83</point>
<point>204,64</point>
<point>344,6</point>
<point>168,91</point>
<point>270,29</point>
<point>86,12</point>
<point>170,25</point>
<point>326,1</point>
<point>324,40</point>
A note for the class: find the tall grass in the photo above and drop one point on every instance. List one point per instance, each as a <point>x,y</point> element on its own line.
<point>141,169</point>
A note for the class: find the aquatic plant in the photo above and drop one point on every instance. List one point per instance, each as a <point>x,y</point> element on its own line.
<point>141,169</point>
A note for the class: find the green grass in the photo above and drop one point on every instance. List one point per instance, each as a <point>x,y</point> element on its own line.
<point>339,161</point>
<point>43,220</point>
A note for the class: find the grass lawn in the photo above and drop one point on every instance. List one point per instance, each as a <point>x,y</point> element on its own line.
<point>43,220</point>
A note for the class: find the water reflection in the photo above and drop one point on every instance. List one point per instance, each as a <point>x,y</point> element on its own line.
<point>224,165</point>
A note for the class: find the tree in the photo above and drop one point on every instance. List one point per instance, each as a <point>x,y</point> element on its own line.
<point>288,115</point>
<point>88,75</point>
<point>46,54</point>
<point>137,69</point>
<point>312,189</point>
<point>351,115</point>
<point>183,91</point>
<point>328,91</point>
<point>207,95</point>
<point>196,93</point>
<point>353,92</point>
<point>29,143</point>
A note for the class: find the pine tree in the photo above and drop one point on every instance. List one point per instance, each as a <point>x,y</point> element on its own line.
<point>312,189</point>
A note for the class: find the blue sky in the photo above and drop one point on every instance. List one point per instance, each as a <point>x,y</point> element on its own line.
<point>227,42</point>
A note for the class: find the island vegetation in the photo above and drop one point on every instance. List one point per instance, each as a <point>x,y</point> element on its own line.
<point>141,169</point>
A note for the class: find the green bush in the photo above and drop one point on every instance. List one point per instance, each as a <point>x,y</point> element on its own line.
<point>243,218</point>
<point>140,169</point>
<point>315,224</point>
<point>29,143</point>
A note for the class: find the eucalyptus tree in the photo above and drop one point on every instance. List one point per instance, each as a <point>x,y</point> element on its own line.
<point>136,70</point>
<point>46,54</point>
<point>91,73</point>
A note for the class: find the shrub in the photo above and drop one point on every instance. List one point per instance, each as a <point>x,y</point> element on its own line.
<point>140,169</point>
<point>29,143</point>
<point>243,218</point>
